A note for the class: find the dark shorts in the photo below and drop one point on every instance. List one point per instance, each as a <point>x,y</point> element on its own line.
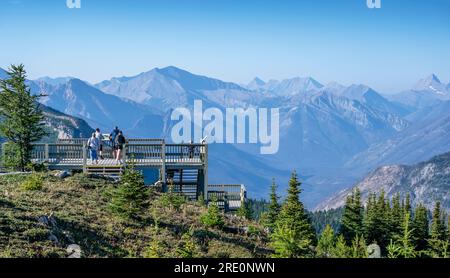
<point>119,147</point>
<point>101,148</point>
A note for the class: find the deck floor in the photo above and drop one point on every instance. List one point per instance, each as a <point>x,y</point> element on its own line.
<point>109,162</point>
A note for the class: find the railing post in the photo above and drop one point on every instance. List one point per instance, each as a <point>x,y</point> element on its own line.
<point>163,166</point>
<point>84,158</point>
<point>46,155</point>
<point>205,171</point>
<point>124,155</point>
<point>242,194</point>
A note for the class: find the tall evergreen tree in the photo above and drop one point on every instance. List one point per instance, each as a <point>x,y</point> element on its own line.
<point>438,231</point>
<point>448,228</point>
<point>274,208</point>
<point>376,222</point>
<point>293,216</point>
<point>396,216</point>
<point>420,229</point>
<point>22,120</point>
<point>402,246</point>
<point>407,207</point>
<point>352,219</point>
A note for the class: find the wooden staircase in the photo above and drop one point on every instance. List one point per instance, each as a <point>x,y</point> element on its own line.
<point>185,181</point>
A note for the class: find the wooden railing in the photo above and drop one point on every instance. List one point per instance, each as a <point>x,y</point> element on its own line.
<point>58,153</point>
<point>227,196</point>
<point>129,141</point>
<point>141,152</point>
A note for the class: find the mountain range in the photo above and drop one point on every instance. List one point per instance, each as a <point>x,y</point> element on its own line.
<point>331,134</point>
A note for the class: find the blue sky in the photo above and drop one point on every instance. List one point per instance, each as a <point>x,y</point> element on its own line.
<point>234,40</point>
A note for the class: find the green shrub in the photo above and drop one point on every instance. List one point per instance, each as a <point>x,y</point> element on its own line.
<point>253,231</point>
<point>130,198</point>
<point>188,246</point>
<point>154,250</point>
<point>245,211</point>
<point>172,199</point>
<point>213,217</point>
<point>33,182</point>
<point>287,244</point>
<point>37,167</point>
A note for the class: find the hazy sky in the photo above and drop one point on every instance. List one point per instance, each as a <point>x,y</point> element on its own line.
<point>234,40</point>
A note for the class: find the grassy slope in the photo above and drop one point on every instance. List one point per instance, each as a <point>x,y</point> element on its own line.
<point>79,215</point>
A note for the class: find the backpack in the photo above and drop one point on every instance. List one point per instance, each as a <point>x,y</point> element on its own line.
<point>120,140</point>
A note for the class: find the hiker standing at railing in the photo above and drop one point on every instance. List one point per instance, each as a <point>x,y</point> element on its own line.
<point>93,145</point>
<point>99,136</point>
<point>112,139</point>
<point>203,149</point>
<point>191,149</point>
<point>119,143</point>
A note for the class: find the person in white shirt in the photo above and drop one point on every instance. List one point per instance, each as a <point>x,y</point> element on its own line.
<point>99,136</point>
<point>93,145</point>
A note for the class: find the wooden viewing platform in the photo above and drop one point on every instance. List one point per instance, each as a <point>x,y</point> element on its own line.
<point>183,165</point>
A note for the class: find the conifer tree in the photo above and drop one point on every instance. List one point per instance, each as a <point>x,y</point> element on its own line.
<point>130,198</point>
<point>352,219</point>
<point>293,212</point>
<point>448,228</point>
<point>287,244</point>
<point>325,244</point>
<point>403,246</point>
<point>213,217</point>
<point>273,209</point>
<point>438,231</point>
<point>376,222</point>
<point>340,249</point>
<point>407,208</point>
<point>396,216</point>
<point>358,248</point>
<point>420,233</point>
<point>292,216</point>
<point>22,119</point>
<point>246,211</point>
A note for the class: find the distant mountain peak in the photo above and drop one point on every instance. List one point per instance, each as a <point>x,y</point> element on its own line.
<point>256,84</point>
<point>433,78</point>
<point>55,81</point>
<point>172,70</point>
<point>431,82</point>
<point>258,81</point>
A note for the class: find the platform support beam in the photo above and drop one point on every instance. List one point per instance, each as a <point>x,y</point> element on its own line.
<point>84,159</point>
<point>205,171</point>
<point>163,166</point>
